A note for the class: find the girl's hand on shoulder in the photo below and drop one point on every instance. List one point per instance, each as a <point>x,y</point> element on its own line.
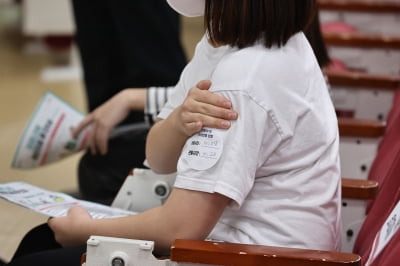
<point>203,108</point>
<point>73,229</point>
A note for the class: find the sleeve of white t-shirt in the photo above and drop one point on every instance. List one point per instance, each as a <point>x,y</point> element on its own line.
<point>175,98</point>
<point>226,161</point>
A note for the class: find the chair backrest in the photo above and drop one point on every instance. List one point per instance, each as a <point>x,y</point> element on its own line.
<point>383,205</point>
<point>394,113</point>
<point>385,170</point>
<point>389,147</point>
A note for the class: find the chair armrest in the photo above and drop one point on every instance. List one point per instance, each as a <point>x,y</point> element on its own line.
<point>350,127</point>
<point>222,253</point>
<point>362,80</point>
<point>359,189</point>
<point>360,6</point>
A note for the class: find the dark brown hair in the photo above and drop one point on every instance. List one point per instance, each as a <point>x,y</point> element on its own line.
<point>316,39</point>
<point>242,23</point>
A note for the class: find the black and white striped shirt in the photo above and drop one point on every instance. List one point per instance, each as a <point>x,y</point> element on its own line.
<point>156,99</point>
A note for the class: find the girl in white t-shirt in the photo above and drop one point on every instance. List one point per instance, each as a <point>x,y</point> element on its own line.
<point>273,177</point>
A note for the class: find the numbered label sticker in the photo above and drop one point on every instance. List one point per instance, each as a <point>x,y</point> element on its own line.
<point>203,150</point>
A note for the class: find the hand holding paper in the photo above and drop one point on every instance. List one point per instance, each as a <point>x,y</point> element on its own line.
<point>48,136</point>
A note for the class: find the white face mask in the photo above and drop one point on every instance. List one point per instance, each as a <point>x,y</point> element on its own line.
<point>188,8</point>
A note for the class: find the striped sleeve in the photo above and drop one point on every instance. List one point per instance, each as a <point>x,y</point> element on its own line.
<point>155,101</point>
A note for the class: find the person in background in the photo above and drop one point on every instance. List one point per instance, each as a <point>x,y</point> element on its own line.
<point>124,44</point>
<point>272,178</point>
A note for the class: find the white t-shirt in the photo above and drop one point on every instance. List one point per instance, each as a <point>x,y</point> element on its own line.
<point>279,161</point>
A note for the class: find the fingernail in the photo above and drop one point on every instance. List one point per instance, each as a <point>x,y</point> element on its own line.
<point>232,115</point>
<point>227,104</point>
<point>225,124</point>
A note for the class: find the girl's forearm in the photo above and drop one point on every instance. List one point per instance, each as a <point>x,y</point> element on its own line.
<point>144,226</point>
<point>164,145</point>
<point>173,220</point>
<point>137,98</point>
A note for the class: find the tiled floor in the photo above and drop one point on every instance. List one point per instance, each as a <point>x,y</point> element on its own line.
<point>20,90</point>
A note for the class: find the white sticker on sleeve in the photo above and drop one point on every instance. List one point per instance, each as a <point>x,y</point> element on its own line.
<point>203,150</point>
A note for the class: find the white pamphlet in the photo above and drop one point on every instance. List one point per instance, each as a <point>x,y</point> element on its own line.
<point>53,204</point>
<point>47,136</point>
